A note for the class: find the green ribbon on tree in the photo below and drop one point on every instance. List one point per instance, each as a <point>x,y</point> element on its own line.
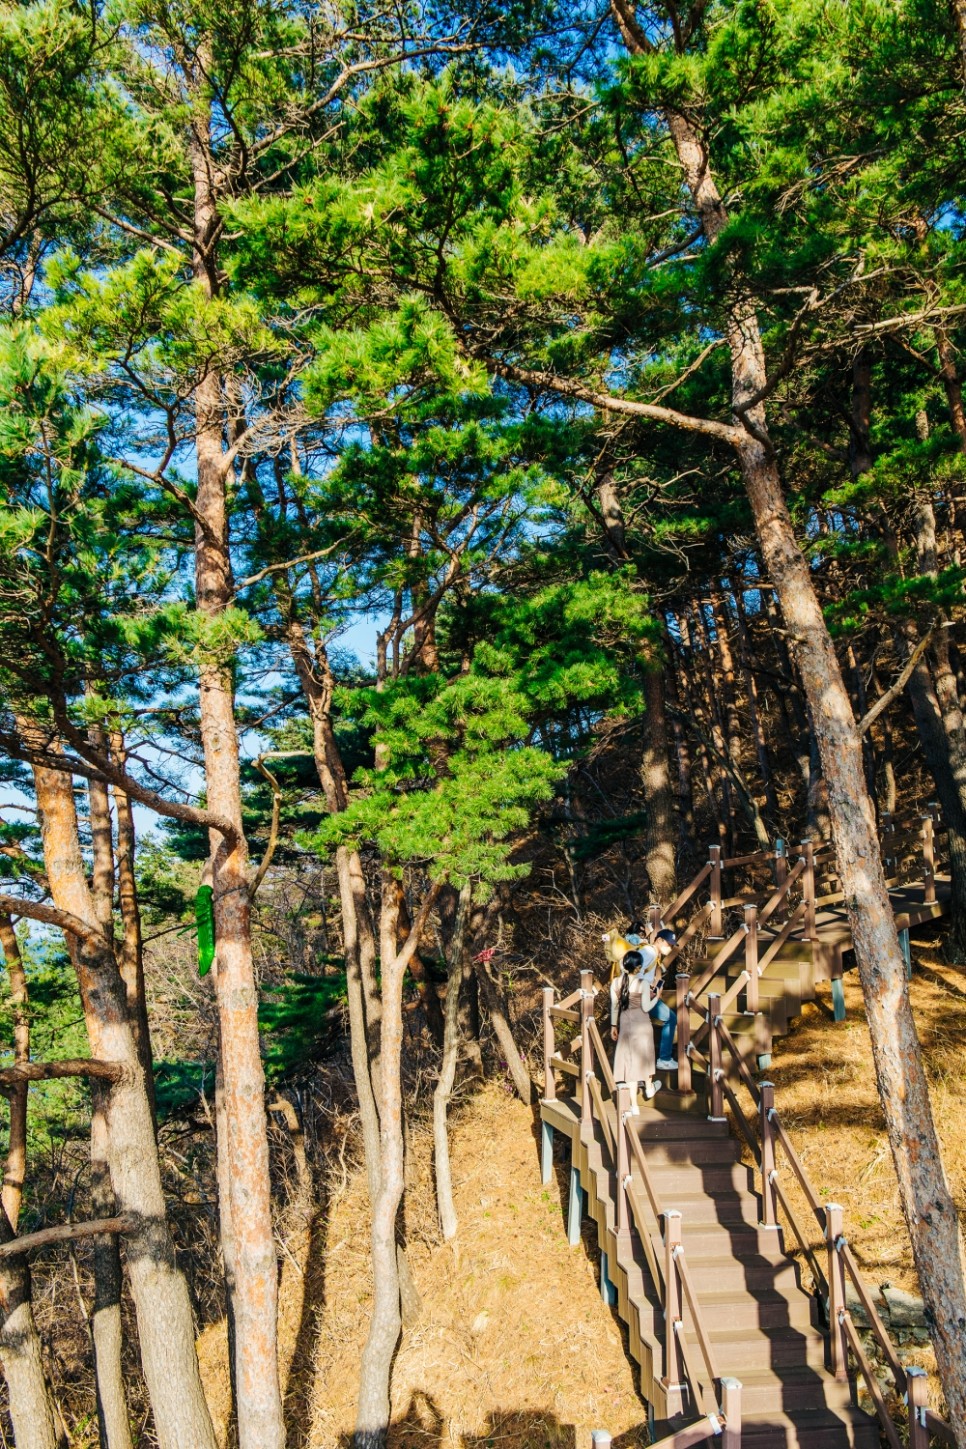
<point>205,920</point>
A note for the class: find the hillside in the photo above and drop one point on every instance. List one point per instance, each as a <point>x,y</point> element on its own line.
<point>514,1347</point>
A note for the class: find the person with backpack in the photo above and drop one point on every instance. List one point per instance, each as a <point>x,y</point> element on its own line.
<point>631,1001</point>
<point>663,1014</point>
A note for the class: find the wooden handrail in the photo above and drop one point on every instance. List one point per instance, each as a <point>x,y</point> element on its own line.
<point>783,937</point>
<point>742,1121</point>
<point>740,1063</point>
<point>569,1000</point>
<point>603,1116</point>
<point>818,1274</point>
<point>601,1056</point>
<point>811,1195</point>
<point>875,1322</point>
<point>734,990</point>
<point>691,930</point>
<point>560,1013</point>
<point>674,909</point>
<point>756,855</point>
<point>644,1233</point>
<point>871,1382</point>
<point>637,1153</point>
<point>721,956</point>
<point>704,1342</point>
<point>697,1433</point>
<point>940,1428</point>
<point>780,893</point>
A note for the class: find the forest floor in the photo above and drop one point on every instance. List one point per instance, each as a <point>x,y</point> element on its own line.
<point>514,1348</point>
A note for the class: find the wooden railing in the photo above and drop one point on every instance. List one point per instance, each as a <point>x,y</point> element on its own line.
<point>765,1134</point>
<point>727,1428</point>
<point>641,1217</point>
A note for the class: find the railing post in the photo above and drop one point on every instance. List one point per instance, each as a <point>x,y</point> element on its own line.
<point>928,859</point>
<point>682,981</point>
<point>769,1197</point>
<point>600,1439</point>
<point>549,1086</point>
<point>808,889</point>
<point>622,1167</point>
<point>834,1239</point>
<point>781,876</point>
<point>731,1408</point>
<point>751,957</point>
<point>916,1382</point>
<point>654,921</point>
<point>673,1386</point>
<point>716,923</point>
<point>715,1069</point>
<point>586,1046</point>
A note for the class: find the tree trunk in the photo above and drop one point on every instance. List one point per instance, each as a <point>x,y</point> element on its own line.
<point>106,1333</point>
<point>754,706</point>
<point>496,1009</point>
<point>165,1325</point>
<point>16,1165</point>
<point>686,841</point>
<point>259,1405</point>
<point>131,951</point>
<point>928,1206</point>
<point>372,1421</point>
<point>659,859</point>
<point>35,1419</point>
<point>28,1393</point>
<point>447,1070</point>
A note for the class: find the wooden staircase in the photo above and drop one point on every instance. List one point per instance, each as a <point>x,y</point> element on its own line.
<point>692,1240</point>
<point>761,1322</point>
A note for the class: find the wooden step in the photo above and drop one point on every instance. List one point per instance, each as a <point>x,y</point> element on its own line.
<point>722,1208</point>
<point>779,1007</point>
<point>744,1350</point>
<point>791,1388</point>
<point>809,1429</point>
<point>770,988</point>
<point>721,1272</point>
<point>692,1177</point>
<point>767,1308</point>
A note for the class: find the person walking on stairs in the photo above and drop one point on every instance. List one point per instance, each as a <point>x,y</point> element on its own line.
<point>664,1015</point>
<point>631,1000</point>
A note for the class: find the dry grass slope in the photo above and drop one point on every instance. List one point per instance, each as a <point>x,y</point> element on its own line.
<point>514,1348</point>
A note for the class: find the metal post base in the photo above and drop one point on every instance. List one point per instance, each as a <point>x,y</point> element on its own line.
<point>838,998</point>
<point>575,1208</point>
<point>608,1291</point>
<point>906,952</point>
<point>546,1152</point>
<point>764,1061</point>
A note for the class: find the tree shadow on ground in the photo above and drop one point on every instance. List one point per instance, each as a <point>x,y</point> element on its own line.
<point>423,1426</point>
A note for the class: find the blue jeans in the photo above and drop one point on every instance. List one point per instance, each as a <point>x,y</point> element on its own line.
<point>669,1023</point>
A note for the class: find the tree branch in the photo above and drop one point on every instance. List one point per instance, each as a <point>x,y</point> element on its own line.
<point>609,403</point>
<point>68,1233</point>
<point>51,916</point>
<point>69,1067</point>
<point>894,690</point>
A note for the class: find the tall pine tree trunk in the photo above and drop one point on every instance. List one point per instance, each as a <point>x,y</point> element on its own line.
<point>105,1325</point>
<point>35,1420</point>
<point>245,1138</point>
<point>165,1324</point>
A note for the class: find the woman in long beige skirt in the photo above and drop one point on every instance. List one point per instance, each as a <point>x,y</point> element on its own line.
<point>630,1001</point>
